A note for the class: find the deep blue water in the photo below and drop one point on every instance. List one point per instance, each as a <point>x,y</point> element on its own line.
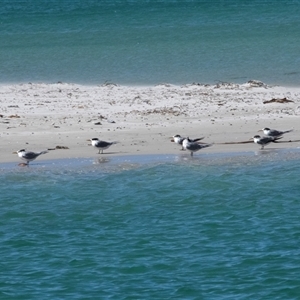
<point>150,42</point>
<point>176,228</point>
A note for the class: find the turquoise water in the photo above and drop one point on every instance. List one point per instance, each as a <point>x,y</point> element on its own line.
<point>150,42</point>
<point>173,228</point>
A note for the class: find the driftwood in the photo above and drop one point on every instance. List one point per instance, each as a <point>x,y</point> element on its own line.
<point>290,141</point>
<point>283,100</point>
<point>248,142</point>
<point>229,143</point>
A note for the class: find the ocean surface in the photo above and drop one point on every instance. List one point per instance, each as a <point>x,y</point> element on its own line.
<point>146,42</point>
<point>152,227</point>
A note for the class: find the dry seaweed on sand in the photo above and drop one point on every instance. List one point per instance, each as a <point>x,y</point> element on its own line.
<point>274,100</point>
<point>58,147</point>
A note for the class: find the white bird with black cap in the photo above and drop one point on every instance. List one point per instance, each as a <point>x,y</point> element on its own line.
<point>264,140</point>
<point>193,146</point>
<point>274,133</point>
<point>29,156</point>
<point>178,139</point>
<point>101,145</point>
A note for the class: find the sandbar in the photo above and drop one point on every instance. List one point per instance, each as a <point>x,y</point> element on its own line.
<point>61,117</point>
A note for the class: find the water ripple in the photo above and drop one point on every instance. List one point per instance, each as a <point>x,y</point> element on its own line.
<point>191,229</point>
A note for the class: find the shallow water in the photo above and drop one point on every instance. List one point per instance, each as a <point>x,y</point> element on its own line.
<point>172,227</point>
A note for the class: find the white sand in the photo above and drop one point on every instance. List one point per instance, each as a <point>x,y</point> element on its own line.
<point>142,119</point>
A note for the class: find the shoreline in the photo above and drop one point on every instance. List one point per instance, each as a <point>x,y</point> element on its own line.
<point>127,162</point>
<point>142,119</point>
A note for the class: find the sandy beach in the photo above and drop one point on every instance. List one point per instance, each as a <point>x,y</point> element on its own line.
<point>61,117</point>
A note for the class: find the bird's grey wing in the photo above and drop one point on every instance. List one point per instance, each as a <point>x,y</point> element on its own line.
<point>30,155</point>
<point>206,145</point>
<point>101,144</point>
<point>274,132</point>
<point>196,146</point>
<point>193,146</point>
<point>198,139</point>
<point>266,139</point>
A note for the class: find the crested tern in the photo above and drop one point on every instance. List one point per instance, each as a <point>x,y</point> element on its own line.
<point>101,145</point>
<point>193,146</point>
<point>273,132</point>
<point>29,155</point>
<point>178,139</point>
<point>265,140</point>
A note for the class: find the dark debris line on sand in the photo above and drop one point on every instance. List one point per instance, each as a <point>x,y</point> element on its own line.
<point>248,142</point>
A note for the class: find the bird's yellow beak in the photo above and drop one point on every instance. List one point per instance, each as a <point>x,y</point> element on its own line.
<point>15,152</point>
